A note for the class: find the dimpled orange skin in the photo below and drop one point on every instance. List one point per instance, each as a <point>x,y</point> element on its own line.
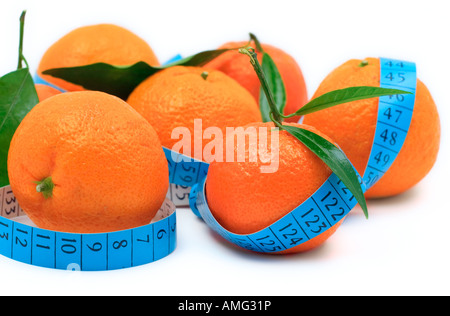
<point>106,162</point>
<point>244,200</point>
<point>86,45</point>
<point>176,96</point>
<point>237,66</point>
<point>44,91</point>
<point>352,126</point>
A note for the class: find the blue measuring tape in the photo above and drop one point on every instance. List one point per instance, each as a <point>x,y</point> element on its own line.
<point>86,252</point>
<point>332,201</point>
<point>39,80</point>
<point>394,117</point>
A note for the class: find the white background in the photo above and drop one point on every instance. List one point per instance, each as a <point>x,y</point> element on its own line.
<point>403,249</point>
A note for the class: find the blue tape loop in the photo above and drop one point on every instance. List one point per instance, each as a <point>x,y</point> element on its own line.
<point>332,201</point>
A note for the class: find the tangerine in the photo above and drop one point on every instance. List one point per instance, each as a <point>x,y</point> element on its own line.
<point>107,43</point>
<point>45,91</point>
<point>178,95</point>
<point>352,127</point>
<point>237,66</point>
<point>86,162</point>
<point>244,200</point>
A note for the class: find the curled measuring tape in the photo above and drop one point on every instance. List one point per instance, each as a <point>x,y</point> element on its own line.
<point>99,251</point>
<point>86,252</point>
<point>332,201</point>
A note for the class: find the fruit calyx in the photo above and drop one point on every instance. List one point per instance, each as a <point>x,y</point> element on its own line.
<point>363,63</point>
<point>204,75</point>
<point>45,187</point>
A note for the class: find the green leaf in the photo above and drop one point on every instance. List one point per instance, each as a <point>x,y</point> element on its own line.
<point>116,80</point>
<point>343,96</point>
<point>335,159</point>
<point>198,59</point>
<point>257,42</point>
<point>122,80</point>
<point>276,86</point>
<point>17,97</point>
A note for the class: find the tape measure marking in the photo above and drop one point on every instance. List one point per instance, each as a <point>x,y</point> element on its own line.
<point>326,207</point>
<point>87,252</point>
<point>333,200</point>
<point>394,117</point>
<point>184,170</point>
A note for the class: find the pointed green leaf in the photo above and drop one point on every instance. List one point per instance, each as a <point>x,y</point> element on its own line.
<point>276,86</point>
<point>343,96</point>
<point>257,42</point>
<point>17,97</point>
<point>116,80</point>
<point>122,80</point>
<point>335,159</point>
<point>198,59</point>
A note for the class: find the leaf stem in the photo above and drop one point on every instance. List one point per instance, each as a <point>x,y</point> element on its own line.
<point>249,51</point>
<point>257,42</point>
<point>21,58</point>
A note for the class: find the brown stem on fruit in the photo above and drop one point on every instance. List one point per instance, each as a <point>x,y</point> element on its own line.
<point>363,63</point>
<point>205,75</point>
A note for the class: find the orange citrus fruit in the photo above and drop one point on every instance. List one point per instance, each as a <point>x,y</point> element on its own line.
<point>86,45</point>
<point>178,95</point>
<point>238,67</point>
<point>244,200</point>
<point>352,127</point>
<point>45,91</point>
<point>87,162</point>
